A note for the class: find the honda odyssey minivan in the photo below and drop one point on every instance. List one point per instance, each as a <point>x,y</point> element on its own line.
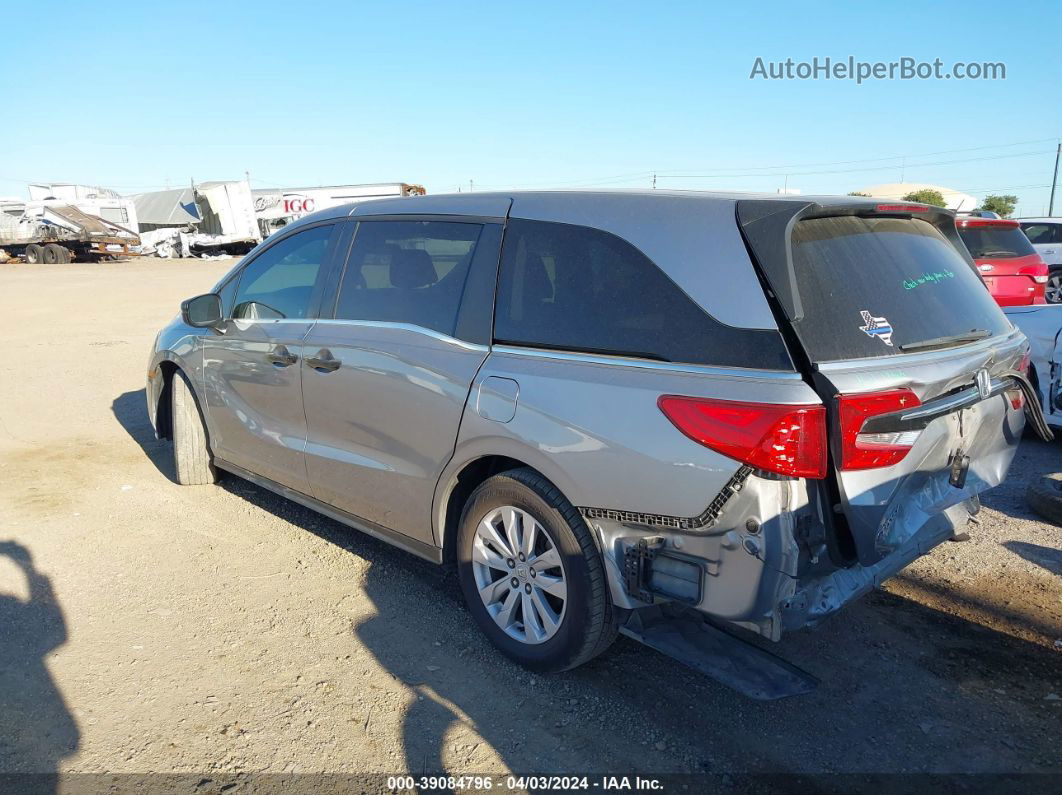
<point>598,404</point>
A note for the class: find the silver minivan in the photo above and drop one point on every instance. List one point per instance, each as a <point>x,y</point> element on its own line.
<point>612,411</point>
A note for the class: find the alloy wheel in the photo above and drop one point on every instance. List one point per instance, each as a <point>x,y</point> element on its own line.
<point>1053,289</point>
<point>517,567</point>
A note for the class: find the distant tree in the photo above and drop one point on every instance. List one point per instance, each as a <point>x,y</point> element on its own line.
<point>926,196</point>
<point>858,193</point>
<point>1002,205</point>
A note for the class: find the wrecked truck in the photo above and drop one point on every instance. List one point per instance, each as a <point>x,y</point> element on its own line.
<point>203,220</point>
<point>51,232</point>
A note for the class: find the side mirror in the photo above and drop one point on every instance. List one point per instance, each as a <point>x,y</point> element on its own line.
<point>203,311</point>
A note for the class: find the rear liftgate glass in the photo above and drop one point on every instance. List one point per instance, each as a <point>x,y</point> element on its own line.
<point>877,281</point>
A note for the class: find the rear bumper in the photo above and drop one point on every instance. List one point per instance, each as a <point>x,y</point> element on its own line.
<point>819,597</point>
<point>1015,290</point>
<point>733,582</point>
<point>762,564</point>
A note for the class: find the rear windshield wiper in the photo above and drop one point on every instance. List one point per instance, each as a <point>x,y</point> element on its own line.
<point>942,342</point>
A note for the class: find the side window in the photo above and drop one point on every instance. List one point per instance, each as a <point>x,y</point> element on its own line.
<point>279,282</point>
<point>408,272</point>
<point>1039,233</point>
<point>581,289</point>
<point>227,292</point>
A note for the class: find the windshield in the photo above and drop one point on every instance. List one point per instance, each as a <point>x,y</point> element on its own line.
<point>871,285</point>
<point>995,242</point>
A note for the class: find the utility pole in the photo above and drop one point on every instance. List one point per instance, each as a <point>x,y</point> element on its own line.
<point>470,186</point>
<point>1054,182</point>
<point>654,181</point>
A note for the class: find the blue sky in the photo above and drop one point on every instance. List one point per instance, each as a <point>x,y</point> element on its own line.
<point>530,95</point>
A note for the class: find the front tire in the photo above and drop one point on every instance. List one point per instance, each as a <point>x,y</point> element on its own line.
<point>548,617</point>
<point>191,453</point>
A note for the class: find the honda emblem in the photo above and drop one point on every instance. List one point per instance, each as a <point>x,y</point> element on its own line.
<point>984,383</point>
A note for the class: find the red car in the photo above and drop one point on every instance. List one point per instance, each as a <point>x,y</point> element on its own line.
<point>1012,270</point>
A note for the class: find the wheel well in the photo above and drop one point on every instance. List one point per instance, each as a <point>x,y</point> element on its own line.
<point>163,418</point>
<point>468,479</point>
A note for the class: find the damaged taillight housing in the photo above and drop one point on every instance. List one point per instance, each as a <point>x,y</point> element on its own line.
<point>788,440</point>
<point>1016,396</point>
<point>860,450</point>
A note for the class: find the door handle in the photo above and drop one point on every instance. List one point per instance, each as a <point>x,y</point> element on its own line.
<point>280,356</point>
<point>323,361</point>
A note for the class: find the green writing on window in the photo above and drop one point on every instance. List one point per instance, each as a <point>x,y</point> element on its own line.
<point>929,277</point>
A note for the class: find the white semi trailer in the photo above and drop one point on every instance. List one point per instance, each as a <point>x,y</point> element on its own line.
<point>278,207</point>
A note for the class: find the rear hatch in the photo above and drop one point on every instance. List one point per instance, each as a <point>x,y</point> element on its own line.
<point>1010,267</point>
<point>915,362</point>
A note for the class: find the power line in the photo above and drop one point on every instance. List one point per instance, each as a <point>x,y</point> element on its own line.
<point>853,170</point>
<point>589,181</point>
<point>634,176</point>
<point>873,159</point>
<point>730,172</point>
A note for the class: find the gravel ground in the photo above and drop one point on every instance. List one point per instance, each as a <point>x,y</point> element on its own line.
<point>150,627</point>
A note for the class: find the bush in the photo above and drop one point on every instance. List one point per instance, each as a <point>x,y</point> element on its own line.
<point>1001,205</point>
<point>926,196</point>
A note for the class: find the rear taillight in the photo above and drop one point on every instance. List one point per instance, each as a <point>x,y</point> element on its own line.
<point>789,440</point>
<point>1016,396</point>
<point>1026,360</point>
<point>861,450</point>
<point>1039,273</point>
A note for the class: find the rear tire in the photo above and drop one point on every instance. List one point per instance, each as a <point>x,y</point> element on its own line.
<point>585,623</point>
<point>55,254</point>
<point>191,452</point>
<point>34,254</point>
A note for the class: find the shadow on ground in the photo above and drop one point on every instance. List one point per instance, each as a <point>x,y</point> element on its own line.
<point>1045,557</point>
<point>130,409</point>
<point>37,730</point>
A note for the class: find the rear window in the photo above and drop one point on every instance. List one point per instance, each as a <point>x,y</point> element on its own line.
<point>995,242</point>
<point>871,285</point>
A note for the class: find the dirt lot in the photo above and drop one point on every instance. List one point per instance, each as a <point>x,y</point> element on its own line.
<point>150,627</point>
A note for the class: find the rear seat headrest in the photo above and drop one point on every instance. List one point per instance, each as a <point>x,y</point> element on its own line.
<point>537,285</point>
<point>412,267</point>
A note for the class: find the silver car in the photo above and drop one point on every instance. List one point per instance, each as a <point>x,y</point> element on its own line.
<point>612,411</point>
